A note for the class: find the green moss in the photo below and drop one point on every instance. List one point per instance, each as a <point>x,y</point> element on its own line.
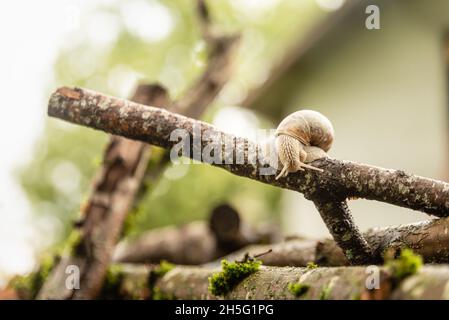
<point>163,268</point>
<point>356,296</point>
<point>347,236</point>
<point>29,285</point>
<point>406,264</point>
<point>222,282</point>
<point>114,274</point>
<point>311,265</point>
<point>325,292</point>
<point>298,289</point>
<point>129,223</point>
<point>349,254</point>
<point>112,283</point>
<point>72,245</point>
<point>159,295</point>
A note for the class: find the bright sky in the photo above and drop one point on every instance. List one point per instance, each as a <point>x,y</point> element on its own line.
<point>31,33</point>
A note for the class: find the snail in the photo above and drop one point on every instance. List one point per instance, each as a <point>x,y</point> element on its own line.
<point>300,133</point>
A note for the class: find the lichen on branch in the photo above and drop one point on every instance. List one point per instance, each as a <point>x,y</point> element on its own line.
<point>330,188</point>
<point>188,282</point>
<point>405,265</point>
<point>340,179</point>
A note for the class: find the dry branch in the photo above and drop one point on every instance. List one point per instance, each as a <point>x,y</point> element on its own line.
<point>112,195</point>
<point>194,243</point>
<point>343,283</point>
<point>429,239</point>
<point>193,103</point>
<point>217,72</point>
<point>339,221</point>
<point>340,179</point>
<point>202,93</point>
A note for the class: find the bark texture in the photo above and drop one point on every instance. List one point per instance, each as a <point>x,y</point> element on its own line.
<point>341,179</point>
<point>339,221</point>
<point>194,243</point>
<point>329,189</point>
<point>112,196</point>
<point>338,283</point>
<point>217,72</point>
<point>429,239</point>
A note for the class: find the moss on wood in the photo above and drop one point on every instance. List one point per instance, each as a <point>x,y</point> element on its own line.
<point>298,289</point>
<point>406,264</point>
<point>232,273</point>
<point>163,268</point>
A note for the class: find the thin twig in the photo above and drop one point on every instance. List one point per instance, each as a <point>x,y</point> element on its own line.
<point>339,221</point>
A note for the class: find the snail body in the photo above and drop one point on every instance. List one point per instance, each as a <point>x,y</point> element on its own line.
<point>297,132</point>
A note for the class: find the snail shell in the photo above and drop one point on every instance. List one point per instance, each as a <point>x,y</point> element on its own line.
<point>298,130</point>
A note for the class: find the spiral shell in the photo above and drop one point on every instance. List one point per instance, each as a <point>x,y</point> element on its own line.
<point>305,128</point>
<point>311,128</point>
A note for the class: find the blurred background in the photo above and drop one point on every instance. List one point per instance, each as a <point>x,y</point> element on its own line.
<point>384,90</point>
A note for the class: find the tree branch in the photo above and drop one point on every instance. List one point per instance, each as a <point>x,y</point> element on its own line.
<point>344,283</point>
<point>113,192</point>
<point>217,72</point>
<point>193,103</point>
<point>429,239</point>
<point>339,221</point>
<point>193,243</point>
<point>340,179</point>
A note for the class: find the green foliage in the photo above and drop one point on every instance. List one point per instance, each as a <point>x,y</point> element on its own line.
<point>159,295</point>
<point>72,244</point>
<point>311,265</point>
<point>114,274</point>
<point>232,273</point>
<point>112,282</point>
<point>28,286</point>
<point>325,292</point>
<point>163,268</point>
<point>158,272</point>
<point>356,296</point>
<point>298,289</point>
<point>193,196</point>
<point>406,264</point>
<point>349,254</point>
<point>178,57</point>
